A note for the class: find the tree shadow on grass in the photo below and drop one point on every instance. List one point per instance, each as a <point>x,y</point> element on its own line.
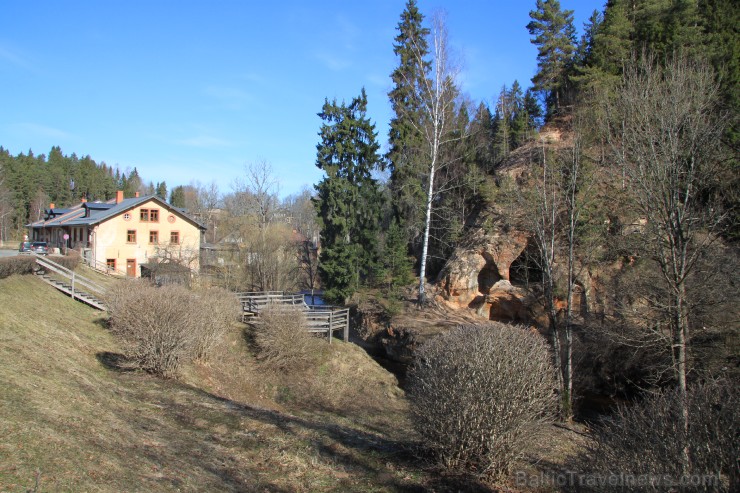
<point>369,454</point>
<point>116,362</point>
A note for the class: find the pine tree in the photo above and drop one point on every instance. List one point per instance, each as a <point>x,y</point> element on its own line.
<point>177,197</point>
<point>161,190</point>
<point>406,161</point>
<point>553,33</point>
<point>348,200</point>
<point>481,135</point>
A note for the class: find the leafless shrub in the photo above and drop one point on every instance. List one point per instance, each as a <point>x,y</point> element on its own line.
<point>71,260</point>
<point>647,441</point>
<point>20,264</point>
<point>479,394</point>
<point>284,343</point>
<point>163,327</point>
<point>219,309</point>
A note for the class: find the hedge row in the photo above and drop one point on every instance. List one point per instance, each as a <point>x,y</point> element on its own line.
<point>24,264</point>
<point>20,264</point>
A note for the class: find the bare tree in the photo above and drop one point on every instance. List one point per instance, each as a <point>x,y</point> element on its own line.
<point>436,97</point>
<point>202,202</point>
<point>309,266</point>
<point>546,208</point>
<point>259,190</point>
<point>666,135</point>
<point>269,260</point>
<point>6,209</point>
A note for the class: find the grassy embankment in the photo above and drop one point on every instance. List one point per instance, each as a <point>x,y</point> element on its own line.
<point>72,416</point>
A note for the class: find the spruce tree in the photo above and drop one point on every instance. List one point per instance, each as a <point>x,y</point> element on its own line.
<point>177,197</point>
<point>405,158</point>
<point>348,200</point>
<point>555,37</point>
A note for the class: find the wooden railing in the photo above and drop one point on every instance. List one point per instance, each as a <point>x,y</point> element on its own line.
<point>104,268</point>
<point>255,301</point>
<point>319,318</point>
<point>75,282</point>
<point>326,318</point>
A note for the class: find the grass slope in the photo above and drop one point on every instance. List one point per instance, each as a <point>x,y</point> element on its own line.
<point>73,419</point>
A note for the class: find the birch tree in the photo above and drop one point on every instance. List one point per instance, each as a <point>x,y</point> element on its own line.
<point>435,96</point>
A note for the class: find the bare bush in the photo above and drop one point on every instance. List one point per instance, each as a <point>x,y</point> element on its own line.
<point>283,341</point>
<point>161,328</point>
<point>219,309</point>
<point>20,264</point>
<point>70,260</point>
<point>480,393</point>
<point>647,441</point>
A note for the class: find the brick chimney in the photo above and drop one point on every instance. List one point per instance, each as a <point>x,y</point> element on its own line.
<point>137,195</point>
<point>119,196</point>
<point>51,206</point>
<point>83,200</point>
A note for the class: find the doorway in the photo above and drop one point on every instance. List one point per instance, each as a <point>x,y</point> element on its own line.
<point>131,267</point>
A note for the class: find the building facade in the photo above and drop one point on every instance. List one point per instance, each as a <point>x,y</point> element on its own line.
<point>123,234</point>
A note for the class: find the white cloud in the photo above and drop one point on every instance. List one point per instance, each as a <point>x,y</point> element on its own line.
<point>38,130</point>
<point>331,61</point>
<point>229,97</point>
<point>204,142</point>
<point>13,58</point>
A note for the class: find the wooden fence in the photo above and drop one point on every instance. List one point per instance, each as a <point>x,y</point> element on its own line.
<point>320,318</point>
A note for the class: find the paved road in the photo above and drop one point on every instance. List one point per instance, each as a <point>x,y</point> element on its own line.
<point>7,253</point>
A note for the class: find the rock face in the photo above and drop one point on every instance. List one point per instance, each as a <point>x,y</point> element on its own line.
<point>478,277</point>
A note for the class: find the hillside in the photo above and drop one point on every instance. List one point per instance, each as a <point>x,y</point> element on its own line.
<point>73,418</point>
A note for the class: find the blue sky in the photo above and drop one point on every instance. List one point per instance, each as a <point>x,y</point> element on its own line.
<point>187,91</point>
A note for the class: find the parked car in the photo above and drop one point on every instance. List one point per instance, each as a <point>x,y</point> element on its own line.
<point>25,247</point>
<point>39,247</point>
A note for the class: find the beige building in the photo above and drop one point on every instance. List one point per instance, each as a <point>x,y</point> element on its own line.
<point>123,234</point>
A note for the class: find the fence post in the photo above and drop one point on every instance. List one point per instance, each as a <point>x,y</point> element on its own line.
<point>331,325</point>
<point>346,325</point>
<point>73,284</point>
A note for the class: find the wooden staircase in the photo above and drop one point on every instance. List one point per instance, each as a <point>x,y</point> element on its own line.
<point>67,281</point>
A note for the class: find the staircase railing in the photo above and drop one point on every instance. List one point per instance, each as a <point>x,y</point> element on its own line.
<point>104,268</point>
<point>75,280</point>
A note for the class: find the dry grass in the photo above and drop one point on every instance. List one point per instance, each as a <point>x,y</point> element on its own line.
<point>71,410</point>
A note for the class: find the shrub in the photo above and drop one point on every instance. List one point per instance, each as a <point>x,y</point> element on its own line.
<point>283,342</point>
<point>479,394</point>
<point>70,261</point>
<point>218,309</point>
<point>161,328</point>
<point>20,264</point>
<point>647,440</point>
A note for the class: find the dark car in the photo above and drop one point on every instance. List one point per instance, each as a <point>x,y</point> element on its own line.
<point>25,247</point>
<point>39,247</point>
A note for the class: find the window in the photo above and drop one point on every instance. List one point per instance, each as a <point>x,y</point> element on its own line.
<point>175,237</point>
<point>131,236</point>
<point>127,217</point>
<point>149,215</point>
<point>111,264</point>
<point>154,237</point>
